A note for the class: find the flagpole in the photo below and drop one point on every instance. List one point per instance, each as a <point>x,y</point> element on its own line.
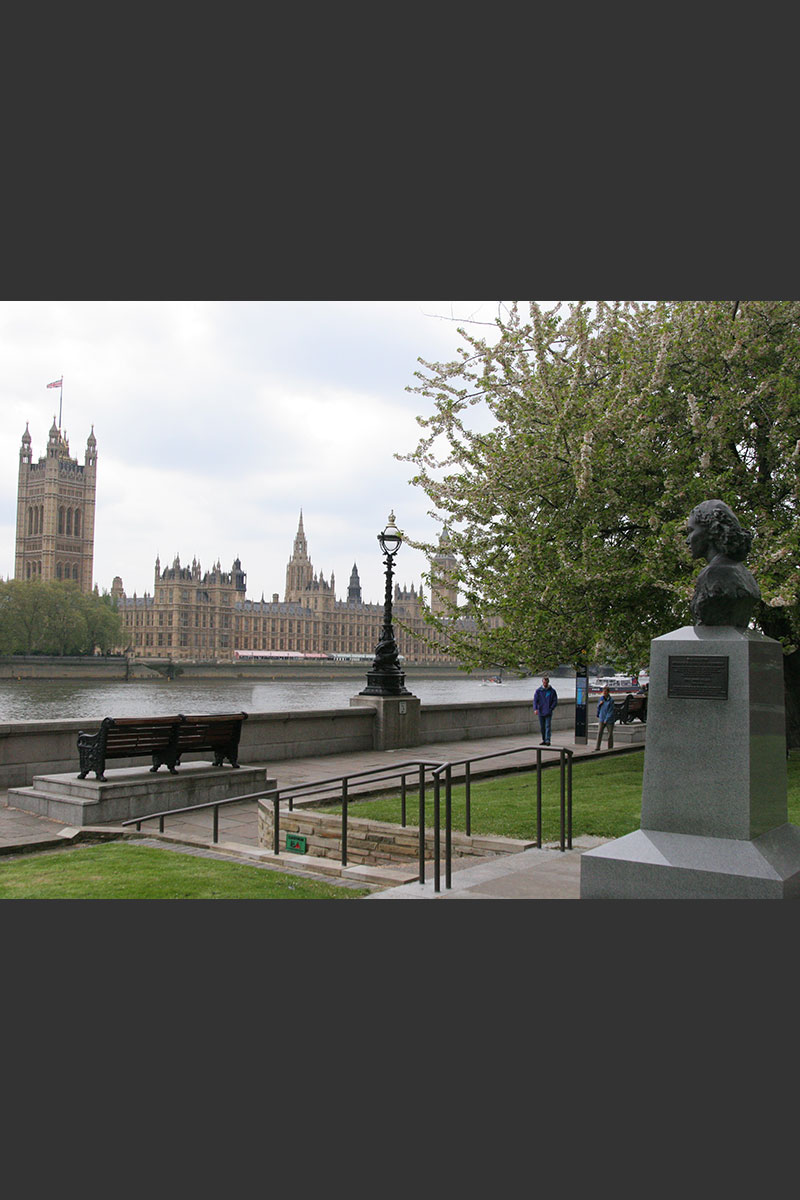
<point>60,398</point>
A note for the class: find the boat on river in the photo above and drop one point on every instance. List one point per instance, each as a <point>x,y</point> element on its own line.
<point>619,683</point>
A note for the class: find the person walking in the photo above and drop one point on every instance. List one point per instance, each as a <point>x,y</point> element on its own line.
<point>605,715</point>
<point>545,699</point>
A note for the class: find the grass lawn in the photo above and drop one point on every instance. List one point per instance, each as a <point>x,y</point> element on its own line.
<point>606,801</point>
<point>120,871</point>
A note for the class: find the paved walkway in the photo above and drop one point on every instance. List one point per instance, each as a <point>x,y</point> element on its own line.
<point>548,873</point>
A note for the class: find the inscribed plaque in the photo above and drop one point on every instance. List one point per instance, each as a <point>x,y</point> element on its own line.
<point>698,676</point>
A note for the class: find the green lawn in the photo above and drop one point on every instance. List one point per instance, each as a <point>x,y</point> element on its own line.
<point>120,871</point>
<point>606,801</point>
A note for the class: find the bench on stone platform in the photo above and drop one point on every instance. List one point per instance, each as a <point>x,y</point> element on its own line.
<point>163,739</point>
<point>625,711</point>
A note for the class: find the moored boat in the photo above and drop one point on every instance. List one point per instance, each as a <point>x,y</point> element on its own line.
<point>617,683</point>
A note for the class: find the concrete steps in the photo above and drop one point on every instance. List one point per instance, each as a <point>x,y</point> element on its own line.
<point>130,792</point>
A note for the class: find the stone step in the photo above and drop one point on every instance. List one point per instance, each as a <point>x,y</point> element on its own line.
<point>130,792</point>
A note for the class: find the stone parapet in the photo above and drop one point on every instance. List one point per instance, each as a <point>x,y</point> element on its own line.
<point>29,748</point>
<point>503,718</point>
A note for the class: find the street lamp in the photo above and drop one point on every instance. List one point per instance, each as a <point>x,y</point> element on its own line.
<point>386,678</point>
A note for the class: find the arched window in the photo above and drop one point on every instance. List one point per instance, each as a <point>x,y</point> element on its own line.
<point>69,522</point>
<point>41,519</point>
<point>61,520</point>
<point>77,522</point>
<point>30,521</point>
<point>58,570</point>
<point>75,572</point>
<point>27,570</point>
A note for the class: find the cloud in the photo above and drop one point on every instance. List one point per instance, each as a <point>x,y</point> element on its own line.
<point>217,421</point>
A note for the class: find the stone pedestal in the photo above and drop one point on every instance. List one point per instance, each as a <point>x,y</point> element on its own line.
<point>714,814</point>
<point>129,792</point>
<point>396,720</point>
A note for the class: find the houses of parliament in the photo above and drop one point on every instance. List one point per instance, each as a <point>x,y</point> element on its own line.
<point>55,511</point>
<point>206,616</point>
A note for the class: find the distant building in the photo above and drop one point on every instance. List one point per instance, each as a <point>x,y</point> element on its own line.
<point>207,616</point>
<point>55,511</point>
<point>443,566</point>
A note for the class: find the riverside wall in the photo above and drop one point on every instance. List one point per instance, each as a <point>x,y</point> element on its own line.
<point>29,748</point>
<point>117,666</point>
<point>42,666</point>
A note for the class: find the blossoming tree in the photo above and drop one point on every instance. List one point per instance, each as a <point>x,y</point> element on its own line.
<point>564,454</point>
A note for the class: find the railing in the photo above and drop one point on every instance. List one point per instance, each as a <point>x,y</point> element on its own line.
<point>565,757</point>
<point>213,804</point>
<point>341,784</point>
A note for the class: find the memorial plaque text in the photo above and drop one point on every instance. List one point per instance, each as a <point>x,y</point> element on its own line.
<point>698,676</point>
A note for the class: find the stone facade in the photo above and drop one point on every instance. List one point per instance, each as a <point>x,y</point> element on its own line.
<point>55,512</point>
<point>206,616</point>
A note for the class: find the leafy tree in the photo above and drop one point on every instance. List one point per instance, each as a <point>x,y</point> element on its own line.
<point>55,618</point>
<point>65,627</point>
<point>564,458</point>
<point>103,622</point>
<point>23,615</point>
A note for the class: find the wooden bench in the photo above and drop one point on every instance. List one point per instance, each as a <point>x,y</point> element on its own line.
<point>163,739</point>
<point>219,733</point>
<point>630,708</point>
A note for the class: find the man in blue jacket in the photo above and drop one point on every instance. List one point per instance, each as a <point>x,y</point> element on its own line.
<point>605,715</point>
<point>544,701</point>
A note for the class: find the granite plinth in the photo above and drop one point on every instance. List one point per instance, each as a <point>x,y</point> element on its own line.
<point>651,865</point>
<point>715,764</point>
<point>714,811</point>
<point>130,792</point>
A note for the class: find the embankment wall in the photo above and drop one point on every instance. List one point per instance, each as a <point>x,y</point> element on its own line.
<point>29,748</point>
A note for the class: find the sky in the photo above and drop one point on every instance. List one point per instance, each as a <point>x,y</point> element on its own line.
<point>217,422</point>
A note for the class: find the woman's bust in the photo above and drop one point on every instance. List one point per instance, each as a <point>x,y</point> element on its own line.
<point>725,592</point>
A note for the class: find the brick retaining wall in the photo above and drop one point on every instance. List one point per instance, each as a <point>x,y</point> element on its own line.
<point>369,842</point>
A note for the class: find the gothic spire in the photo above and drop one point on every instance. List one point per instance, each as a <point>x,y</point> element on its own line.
<point>300,545</point>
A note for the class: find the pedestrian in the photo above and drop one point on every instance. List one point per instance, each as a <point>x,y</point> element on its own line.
<point>605,715</point>
<point>545,700</point>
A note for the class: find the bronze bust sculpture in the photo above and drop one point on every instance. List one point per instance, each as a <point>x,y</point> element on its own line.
<point>725,592</point>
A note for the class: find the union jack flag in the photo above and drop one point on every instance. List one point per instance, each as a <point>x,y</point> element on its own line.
<point>56,382</point>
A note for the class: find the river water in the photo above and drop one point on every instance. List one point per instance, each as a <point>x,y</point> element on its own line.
<point>61,699</point>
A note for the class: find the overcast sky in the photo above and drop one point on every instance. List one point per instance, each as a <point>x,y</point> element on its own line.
<point>218,421</point>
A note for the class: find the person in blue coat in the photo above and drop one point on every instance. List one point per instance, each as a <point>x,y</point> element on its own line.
<point>605,715</point>
<point>545,700</point>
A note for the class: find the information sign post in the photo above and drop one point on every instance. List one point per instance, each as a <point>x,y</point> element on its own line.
<point>581,705</point>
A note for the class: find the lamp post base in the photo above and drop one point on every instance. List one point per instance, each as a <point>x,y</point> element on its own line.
<point>385,683</point>
<point>397,718</point>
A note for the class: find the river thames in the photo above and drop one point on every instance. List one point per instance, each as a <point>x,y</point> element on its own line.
<point>61,699</point>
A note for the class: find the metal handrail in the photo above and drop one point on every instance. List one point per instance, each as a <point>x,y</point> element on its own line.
<point>294,791</point>
<point>275,795</point>
<point>380,775</point>
<point>330,784</point>
<point>565,756</point>
<point>174,812</point>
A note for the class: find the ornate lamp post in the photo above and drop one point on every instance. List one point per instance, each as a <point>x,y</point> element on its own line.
<point>386,678</point>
